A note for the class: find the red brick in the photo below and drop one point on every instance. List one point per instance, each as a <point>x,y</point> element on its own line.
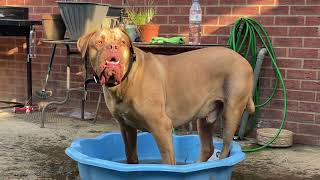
<point>160,20</point>
<point>277,31</point>
<point>222,40</point>
<point>291,2</point>
<point>301,95</point>
<point>309,107</point>
<point>291,84</point>
<point>289,21</point>
<point>311,64</point>
<point>15,2</point>
<point>135,2</point>
<point>289,63</point>
<point>303,53</point>
<point>264,82</point>
<point>183,29</point>
<point>265,20</point>
<point>300,117</point>
<point>267,72</point>
<point>178,19</point>
<point>275,10</point>
<point>55,10</point>
<point>280,52</point>
<point>167,11</point>
<point>220,10</point>
<point>305,10</point>
<point>35,16</point>
<point>46,2</point>
<point>169,29</point>
<point>232,2</point>
<point>260,2</point>
<point>210,20</point>
<point>241,10</point>
<point>271,114</point>
<point>209,2</point>
<point>304,31</point>
<point>209,39</point>
<point>35,2</point>
<point>278,104</point>
<point>185,10</point>
<point>217,30</point>
<point>291,126</point>
<point>313,2</point>
<point>287,42</point>
<point>160,2</point>
<point>310,129</point>
<point>311,42</point>
<point>42,10</point>
<point>317,120</point>
<point>310,85</point>
<point>227,20</point>
<point>301,74</point>
<point>180,2</point>
<point>312,21</point>
<point>3,2</point>
<point>306,139</point>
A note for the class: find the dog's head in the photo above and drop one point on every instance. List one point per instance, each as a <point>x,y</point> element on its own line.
<point>109,52</point>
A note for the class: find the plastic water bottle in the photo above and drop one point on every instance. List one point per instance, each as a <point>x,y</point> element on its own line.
<point>195,23</point>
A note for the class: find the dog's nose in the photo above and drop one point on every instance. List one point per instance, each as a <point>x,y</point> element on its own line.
<point>113,46</point>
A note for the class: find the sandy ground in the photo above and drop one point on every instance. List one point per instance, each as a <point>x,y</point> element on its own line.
<point>30,152</point>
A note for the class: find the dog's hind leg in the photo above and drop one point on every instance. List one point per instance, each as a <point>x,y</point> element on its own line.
<point>205,127</point>
<point>205,135</point>
<point>232,116</point>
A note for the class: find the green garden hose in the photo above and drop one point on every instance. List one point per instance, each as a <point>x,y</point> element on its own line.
<point>243,40</point>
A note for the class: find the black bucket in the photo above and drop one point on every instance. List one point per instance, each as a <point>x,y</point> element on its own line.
<point>81,17</point>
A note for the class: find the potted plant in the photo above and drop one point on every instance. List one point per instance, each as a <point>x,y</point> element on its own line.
<point>142,17</point>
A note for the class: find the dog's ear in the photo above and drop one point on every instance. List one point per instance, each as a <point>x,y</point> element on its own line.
<point>83,42</point>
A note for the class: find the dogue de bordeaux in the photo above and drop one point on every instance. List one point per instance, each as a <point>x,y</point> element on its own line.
<point>157,92</point>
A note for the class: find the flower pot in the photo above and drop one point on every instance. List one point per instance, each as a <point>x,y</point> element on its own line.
<point>148,31</point>
<point>54,27</point>
<point>132,32</point>
<point>82,17</point>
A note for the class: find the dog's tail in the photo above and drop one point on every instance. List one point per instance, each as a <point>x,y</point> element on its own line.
<point>250,105</point>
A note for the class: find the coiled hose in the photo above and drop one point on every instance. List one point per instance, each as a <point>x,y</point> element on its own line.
<point>243,40</point>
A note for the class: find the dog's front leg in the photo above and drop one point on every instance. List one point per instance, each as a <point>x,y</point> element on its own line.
<point>129,135</point>
<point>162,133</point>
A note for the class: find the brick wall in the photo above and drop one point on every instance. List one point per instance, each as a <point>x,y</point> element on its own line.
<point>292,24</point>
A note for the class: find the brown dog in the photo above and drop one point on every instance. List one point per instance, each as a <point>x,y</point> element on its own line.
<point>157,93</point>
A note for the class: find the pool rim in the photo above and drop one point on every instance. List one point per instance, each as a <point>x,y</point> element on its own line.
<point>72,152</point>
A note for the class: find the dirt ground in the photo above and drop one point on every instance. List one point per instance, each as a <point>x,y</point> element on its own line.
<point>30,152</point>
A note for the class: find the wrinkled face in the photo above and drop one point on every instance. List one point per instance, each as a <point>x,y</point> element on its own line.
<point>108,51</point>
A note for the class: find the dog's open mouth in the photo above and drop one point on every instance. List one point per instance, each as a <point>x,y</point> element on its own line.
<point>112,72</point>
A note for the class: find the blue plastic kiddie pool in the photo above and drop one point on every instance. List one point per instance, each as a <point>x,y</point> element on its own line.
<point>100,159</point>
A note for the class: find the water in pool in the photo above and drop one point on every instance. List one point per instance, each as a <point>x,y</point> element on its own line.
<point>151,161</point>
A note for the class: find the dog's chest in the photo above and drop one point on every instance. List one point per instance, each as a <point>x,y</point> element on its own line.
<point>129,116</point>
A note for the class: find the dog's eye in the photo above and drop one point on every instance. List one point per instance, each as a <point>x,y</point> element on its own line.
<point>99,42</point>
